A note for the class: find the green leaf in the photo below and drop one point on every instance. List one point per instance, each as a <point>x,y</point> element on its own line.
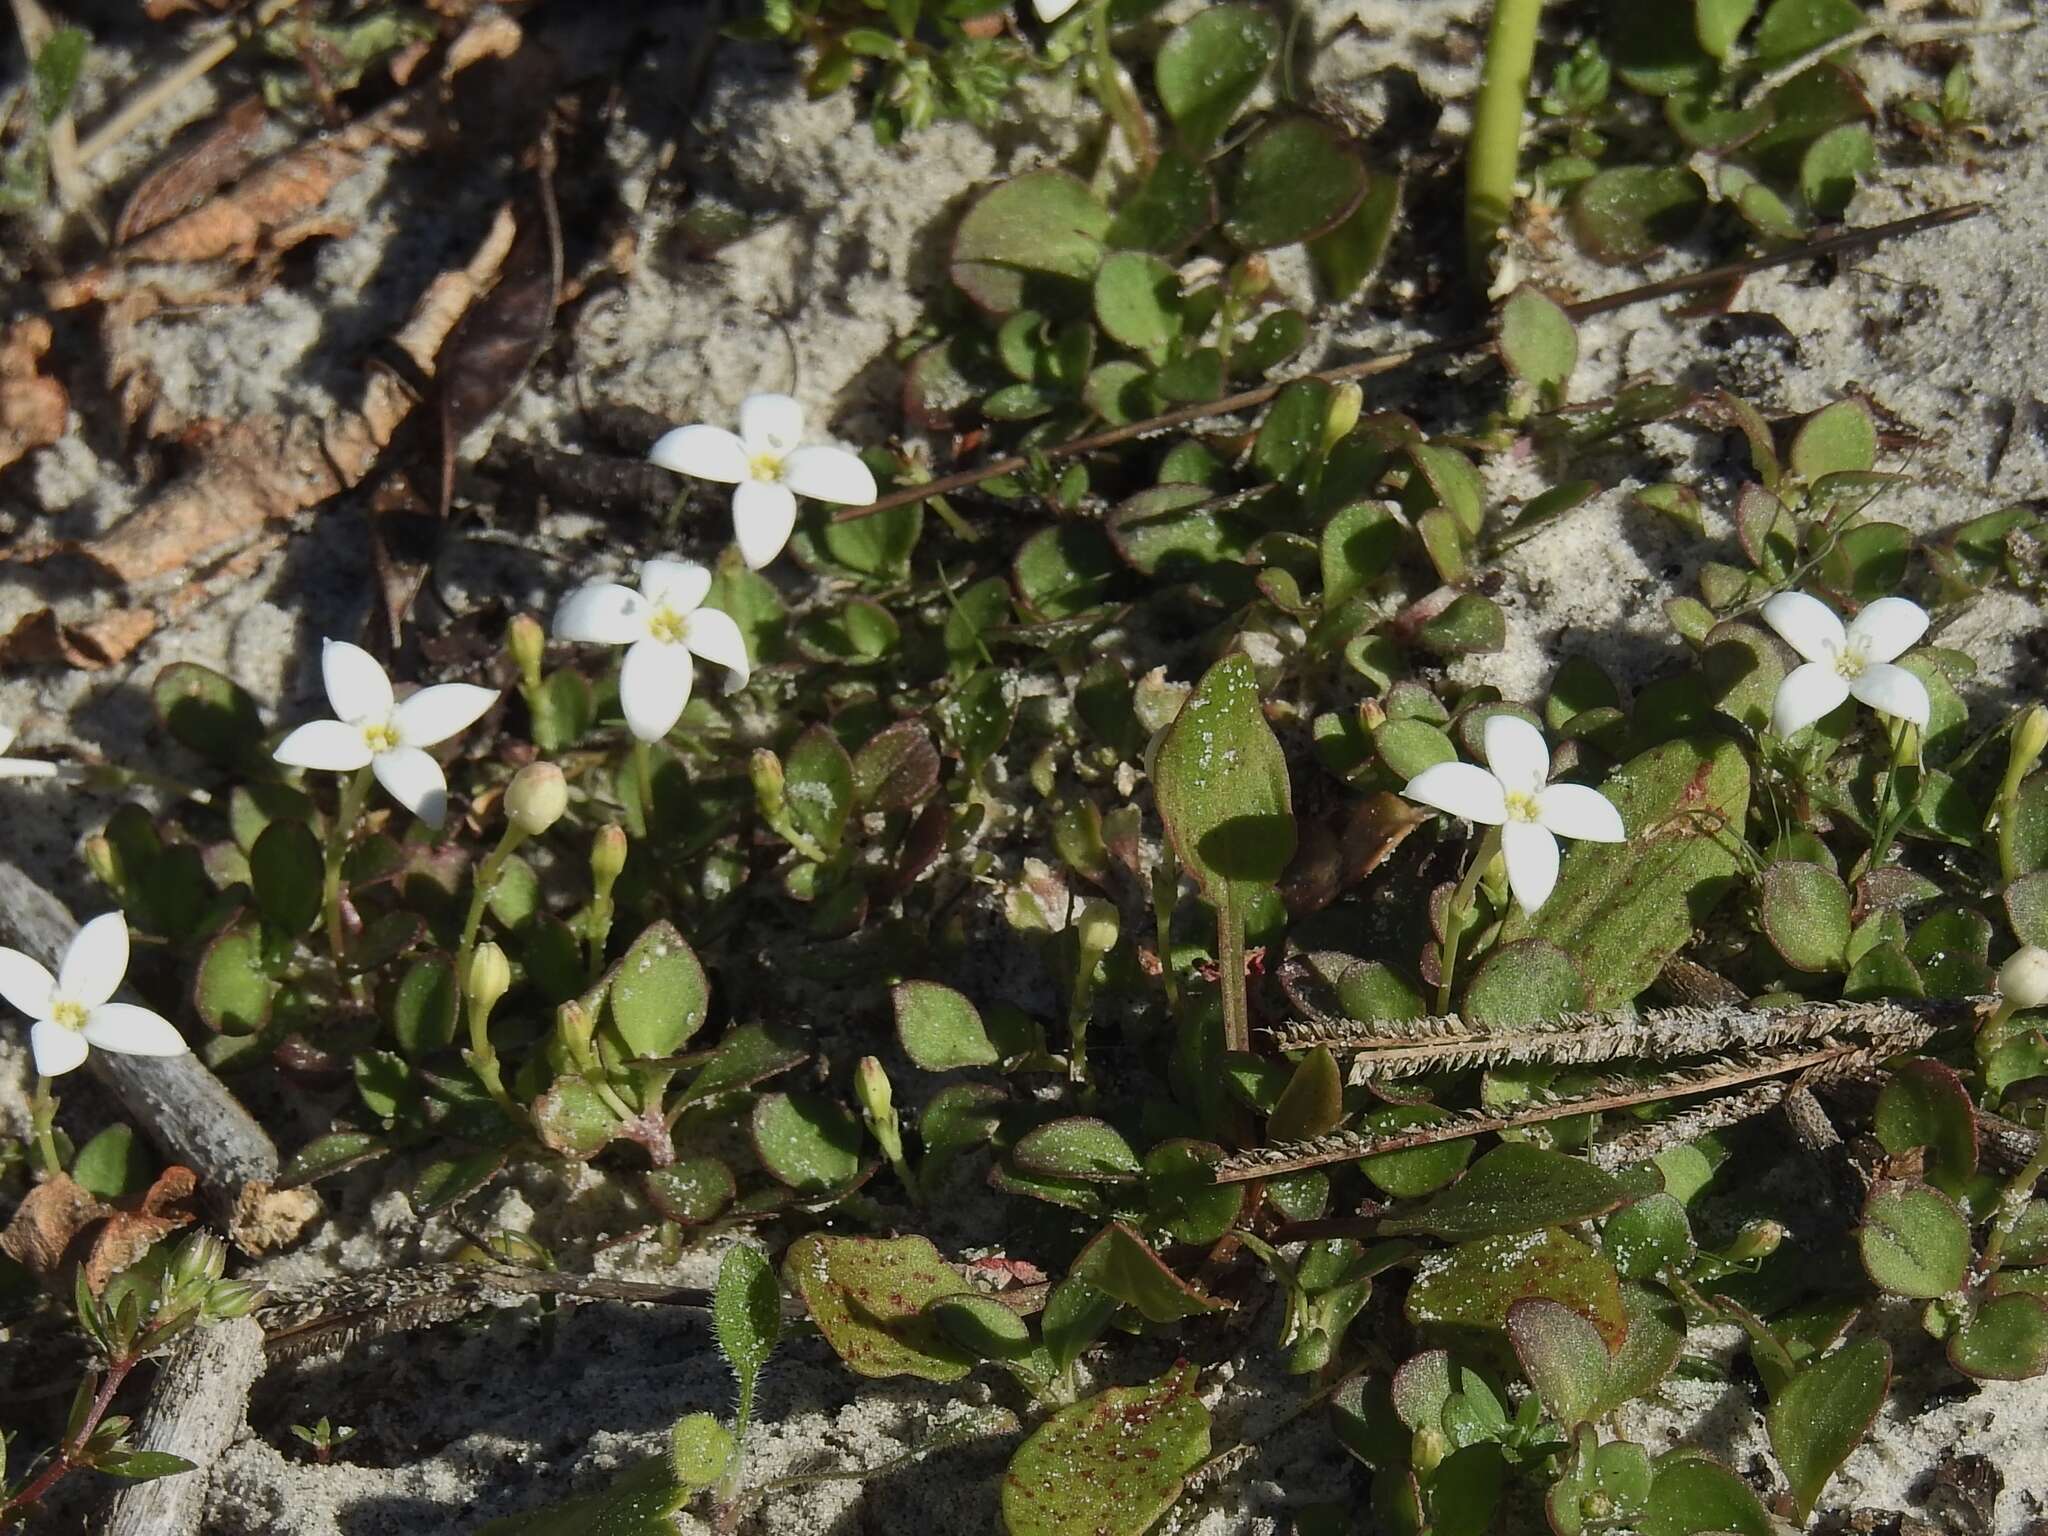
<point>876,548</point>
<point>139,1466</point>
<point>2004,1339</point>
<point>809,1142</point>
<point>1655,1337</point>
<point>446,1181</point>
<point>1525,982</point>
<point>1043,222</point>
<point>1223,791</point>
<point>690,1191</point>
<point>1208,68</point>
<point>746,1316</point>
<point>1110,1465</point>
<point>638,1503</point>
<point>701,1449</point>
<point>1621,910</point>
<point>1170,211</point>
<point>1539,343</point>
<point>423,1008</point>
<point>325,1155</point>
<point>1418,1171</point>
<point>1298,178</point>
<point>1824,1412</point>
<point>1471,626</point>
<point>1927,1104</point>
<point>1717,23</point>
<point>208,713</point>
<point>57,67</point>
<point>1631,212</point>
<point>1065,570</point>
<point>1836,439</point>
<point>1137,301</point>
<point>1360,543</point>
<point>1563,1355</point>
<point>1120,1263</point>
<point>868,1296</point>
<point>1829,170</point>
<point>1692,1493</point>
<point>1075,1315</point>
<point>1181,1196</point>
<point>573,1119</point>
<point>233,990</point>
<point>940,1029</point>
<point>656,996</point>
<point>1291,437</point>
<point>1793,28</point>
<point>1077,1147</point>
<point>982,1326</point>
<point>1914,1241</point>
<point>286,871</point>
<point>1462,1294</point>
<point>1348,256</point>
<point>1648,1236</point>
<point>818,781</point>
<point>1805,914</point>
<point>113,1164</point>
<point>1514,1188</point>
<point>1312,1102</point>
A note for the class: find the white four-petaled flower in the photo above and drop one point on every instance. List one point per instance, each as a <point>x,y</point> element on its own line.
<point>769,462</point>
<point>389,737</point>
<point>661,625</point>
<point>1841,663</point>
<point>23,767</point>
<point>1517,797</point>
<point>73,1009</point>
<point>1053,10</point>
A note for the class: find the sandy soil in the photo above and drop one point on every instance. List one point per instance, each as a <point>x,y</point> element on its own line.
<point>1945,333</point>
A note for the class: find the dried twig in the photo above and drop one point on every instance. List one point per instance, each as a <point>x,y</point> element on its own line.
<point>196,1408</point>
<point>1387,362</point>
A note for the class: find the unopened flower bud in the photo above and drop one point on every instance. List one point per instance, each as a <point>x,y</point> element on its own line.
<point>2030,738</point>
<point>234,1298</point>
<point>490,977</point>
<point>1097,928</point>
<point>527,642</point>
<point>871,1087</point>
<point>202,1257</point>
<point>765,769</point>
<point>574,1025</point>
<point>1347,400</point>
<point>1430,1448</point>
<point>2023,980</point>
<point>607,856</point>
<point>99,858</point>
<point>536,798</point>
<point>1251,277</point>
<point>1756,1240</point>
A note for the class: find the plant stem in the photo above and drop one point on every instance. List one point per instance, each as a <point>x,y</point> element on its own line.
<point>1455,914</point>
<point>339,833</point>
<point>1107,81</point>
<point>640,809</point>
<point>1388,362</point>
<point>2012,1204</point>
<point>66,1458</point>
<point>43,1117</point>
<point>484,1057</point>
<point>1494,152</point>
<point>1237,1022</point>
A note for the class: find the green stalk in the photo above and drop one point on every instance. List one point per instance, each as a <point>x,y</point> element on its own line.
<point>1494,152</point>
<point>640,809</point>
<point>1460,908</point>
<point>2012,1204</point>
<point>486,881</point>
<point>1108,85</point>
<point>43,1120</point>
<point>339,833</point>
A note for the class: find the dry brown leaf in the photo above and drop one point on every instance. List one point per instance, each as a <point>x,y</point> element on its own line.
<point>234,224</point>
<point>494,37</point>
<point>225,151</point>
<point>267,1219</point>
<point>109,637</point>
<point>48,1222</point>
<point>33,408</point>
<point>164,10</point>
<point>137,1224</point>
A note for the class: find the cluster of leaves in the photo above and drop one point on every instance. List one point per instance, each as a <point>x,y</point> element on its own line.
<point>1633,111</point>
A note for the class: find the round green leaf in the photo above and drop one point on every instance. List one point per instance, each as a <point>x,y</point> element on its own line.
<point>1137,300</point>
<point>2005,1339</point>
<point>1562,1354</point>
<point>1418,1171</point>
<point>286,870</point>
<point>1110,1465</point>
<point>1692,1493</point>
<point>810,1143</point>
<point>982,1326</point>
<point>689,1191</point>
<point>1538,342</point>
<point>1295,180</point>
<point>1043,222</point>
<point>1630,213</point>
<point>1914,1241</point>
<point>1645,1237</point>
<point>1208,67</point>
<point>940,1029</point>
<point>1174,206</point>
<point>571,1118</point>
<point>208,713</point>
<point>1222,787</point>
<point>1821,1415</point>
<point>656,995</point>
<point>1182,1196</point>
<point>1838,438</point>
<point>233,991</point>
<point>423,1008</point>
<point>1514,1188</point>
<point>1077,1147</point>
<point>1805,912</point>
<point>868,1297</point>
<point>1523,983</point>
<point>1466,1291</point>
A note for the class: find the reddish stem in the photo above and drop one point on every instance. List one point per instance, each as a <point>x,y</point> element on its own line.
<point>66,1462</point>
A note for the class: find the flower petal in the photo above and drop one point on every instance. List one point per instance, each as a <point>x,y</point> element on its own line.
<point>709,453</point>
<point>1516,753</point>
<point>57,1050</point>
<point>1887,629</point>
<point>26,984</point>
<point>1576,811</point>
<point>771,423</point>
<point>829,474</point>
<point>325,744</point>
<point>1807,693</point>
<point>1893,690</point>
<point>415,781</point>
<point>133,1031</point>
<point>96,961</point>
<point>27,768</point>
<point>1053,10</point>
<point>602,613</point>
<point>436,713</point>
<point>763,516</point>
<point>6,737</point>
<point>715,636</point>
<point>678,585</point>
<point>1463,790</point>
<point>1807,624</point>
<point>654,685</point>
<point>356,684</point>
<point>1531,853</point>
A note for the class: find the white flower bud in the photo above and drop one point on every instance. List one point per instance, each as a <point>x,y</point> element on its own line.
<point>536,798</point>
<point>2023,980</point>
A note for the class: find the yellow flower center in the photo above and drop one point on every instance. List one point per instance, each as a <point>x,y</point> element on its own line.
<point>1849,662</point>
<point>70,1015</point>
<point>381,738</point>
<point>666,625</point>
<point>1521,807</point>
<point>766,466</point>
